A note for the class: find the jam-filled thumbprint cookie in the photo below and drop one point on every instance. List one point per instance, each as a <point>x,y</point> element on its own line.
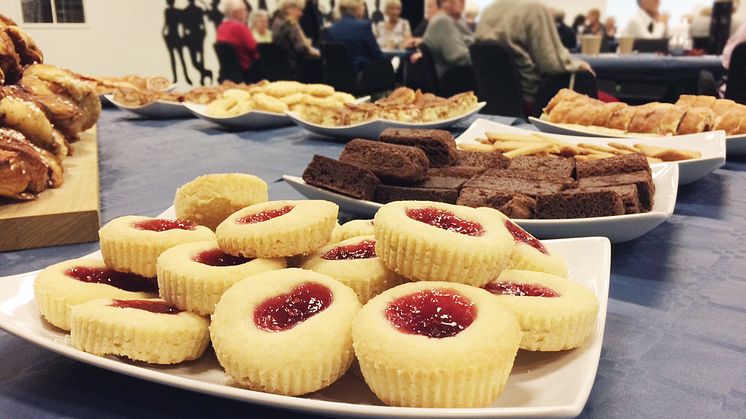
<point>555,313</point>
<point>431,241</point>
<point>133,243</point>
<point>210,199</point>
<point>529,253</point>
<point>278,228</point>
<point>354,263</point>
<point>59,287</point>
<point>148,330</point>
<point>352,229</point>
<point>285,332</point>
<point>435,344</point>
<point>193,276</point>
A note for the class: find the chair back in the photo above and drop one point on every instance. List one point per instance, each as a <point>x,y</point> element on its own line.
<point>230,68</point>
<point>275,63</point>
<point>337,67</point>
<point>651,45</point>
<point>585,83</point>
<point>497,79</point>
<point>431,75</point>
<point>735,88</point>
<point>378,76</point>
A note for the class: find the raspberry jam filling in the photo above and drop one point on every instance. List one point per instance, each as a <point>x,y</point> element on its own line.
<point>121,280</point>
<point>520,290</point>
<point>366,249</point>
<point>159,307</point>
<point>521,235</point>
<point>216,257</point>
<point>436,313</point>
<point>445,220</point>
<point>286,311</point>
<point>159,225</point>
<point>267,215</point>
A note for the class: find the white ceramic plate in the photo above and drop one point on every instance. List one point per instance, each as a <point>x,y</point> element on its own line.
<point>160,109</point>
<point>710,144</point>
<point>246,121</point>
<point>618,228</point>
<point>541,384</point>
<point>372,128</point>
<point>735,144</point>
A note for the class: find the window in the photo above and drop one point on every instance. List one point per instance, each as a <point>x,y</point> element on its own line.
<point>52,11</point>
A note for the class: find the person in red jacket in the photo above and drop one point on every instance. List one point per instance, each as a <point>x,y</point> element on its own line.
<point>233,30</point>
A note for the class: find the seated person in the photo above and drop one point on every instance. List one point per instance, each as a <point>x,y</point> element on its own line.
<point>526,27</point>
<point>260,26</point>
<point>233,30</point>
<point>286,32</point>
<point>355,34</point>
<point>567,34</point>
<point>448,38</point>
<point>647,22</point>
<point>394,32</point>
<point>431,8</point>
<point>593,24</point>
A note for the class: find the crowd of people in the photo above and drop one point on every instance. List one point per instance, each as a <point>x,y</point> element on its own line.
<point>537,35</point>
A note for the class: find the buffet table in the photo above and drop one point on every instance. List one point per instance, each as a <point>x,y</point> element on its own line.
<point>675,340</point>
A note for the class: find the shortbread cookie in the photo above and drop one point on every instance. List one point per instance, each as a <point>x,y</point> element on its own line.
<point>148,330</point>
<point>63,285</point>
<point>435,344</point>
<point>555,313</point>
<point>431,241</point>
<point>133,243</point>
<point>529,253</point>
<point>278,229</point>
<point>354,263</point>
<point>285,332</point>
<point>210,199</point>
<point>193,276</point>
<point>352,229</point>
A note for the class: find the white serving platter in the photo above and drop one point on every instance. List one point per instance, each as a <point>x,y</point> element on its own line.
<point>735,144</point>
<point>711,144</point>
<point>160,109</point>
<point>555,384</point>
<point>374,127</point>
<point>246,121</point>
<point>617,228</point>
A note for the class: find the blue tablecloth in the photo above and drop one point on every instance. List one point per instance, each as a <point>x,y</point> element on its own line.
<point>652,67</point>
<point>675,342</point>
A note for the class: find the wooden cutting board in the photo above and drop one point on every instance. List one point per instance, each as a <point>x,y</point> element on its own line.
<point>64,215</point>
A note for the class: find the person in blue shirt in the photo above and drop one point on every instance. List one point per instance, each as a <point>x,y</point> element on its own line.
<point>356,34</point>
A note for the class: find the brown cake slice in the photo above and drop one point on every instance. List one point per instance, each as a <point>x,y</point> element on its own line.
<point>341,177</point>
<point>512,205</point>
<point>391,193</point>
<point>641,179</point>
<point>529,175</point>
<point>578,204</point>
<point>493,160</point>
<point>441,182</point>
<point>629,194</point>
<point>465,172</point>
<point>512,186</point>
<point>556,166</point>
<point>390,162</point>
<point>438,145</point>
<point>623,163</point>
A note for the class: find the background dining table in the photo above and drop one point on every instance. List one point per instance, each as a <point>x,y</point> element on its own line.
<point>675,339</point>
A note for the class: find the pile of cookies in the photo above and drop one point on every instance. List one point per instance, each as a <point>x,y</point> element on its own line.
<point>277,97</point>
<point>294,298</point>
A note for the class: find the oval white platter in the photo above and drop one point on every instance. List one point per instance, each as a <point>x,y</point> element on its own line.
<point>735,144</point>
<point>710,144</point>
<point>374,127</point>
<point>555,384</point>
<point>246,121</point>
<point>160,109</point>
